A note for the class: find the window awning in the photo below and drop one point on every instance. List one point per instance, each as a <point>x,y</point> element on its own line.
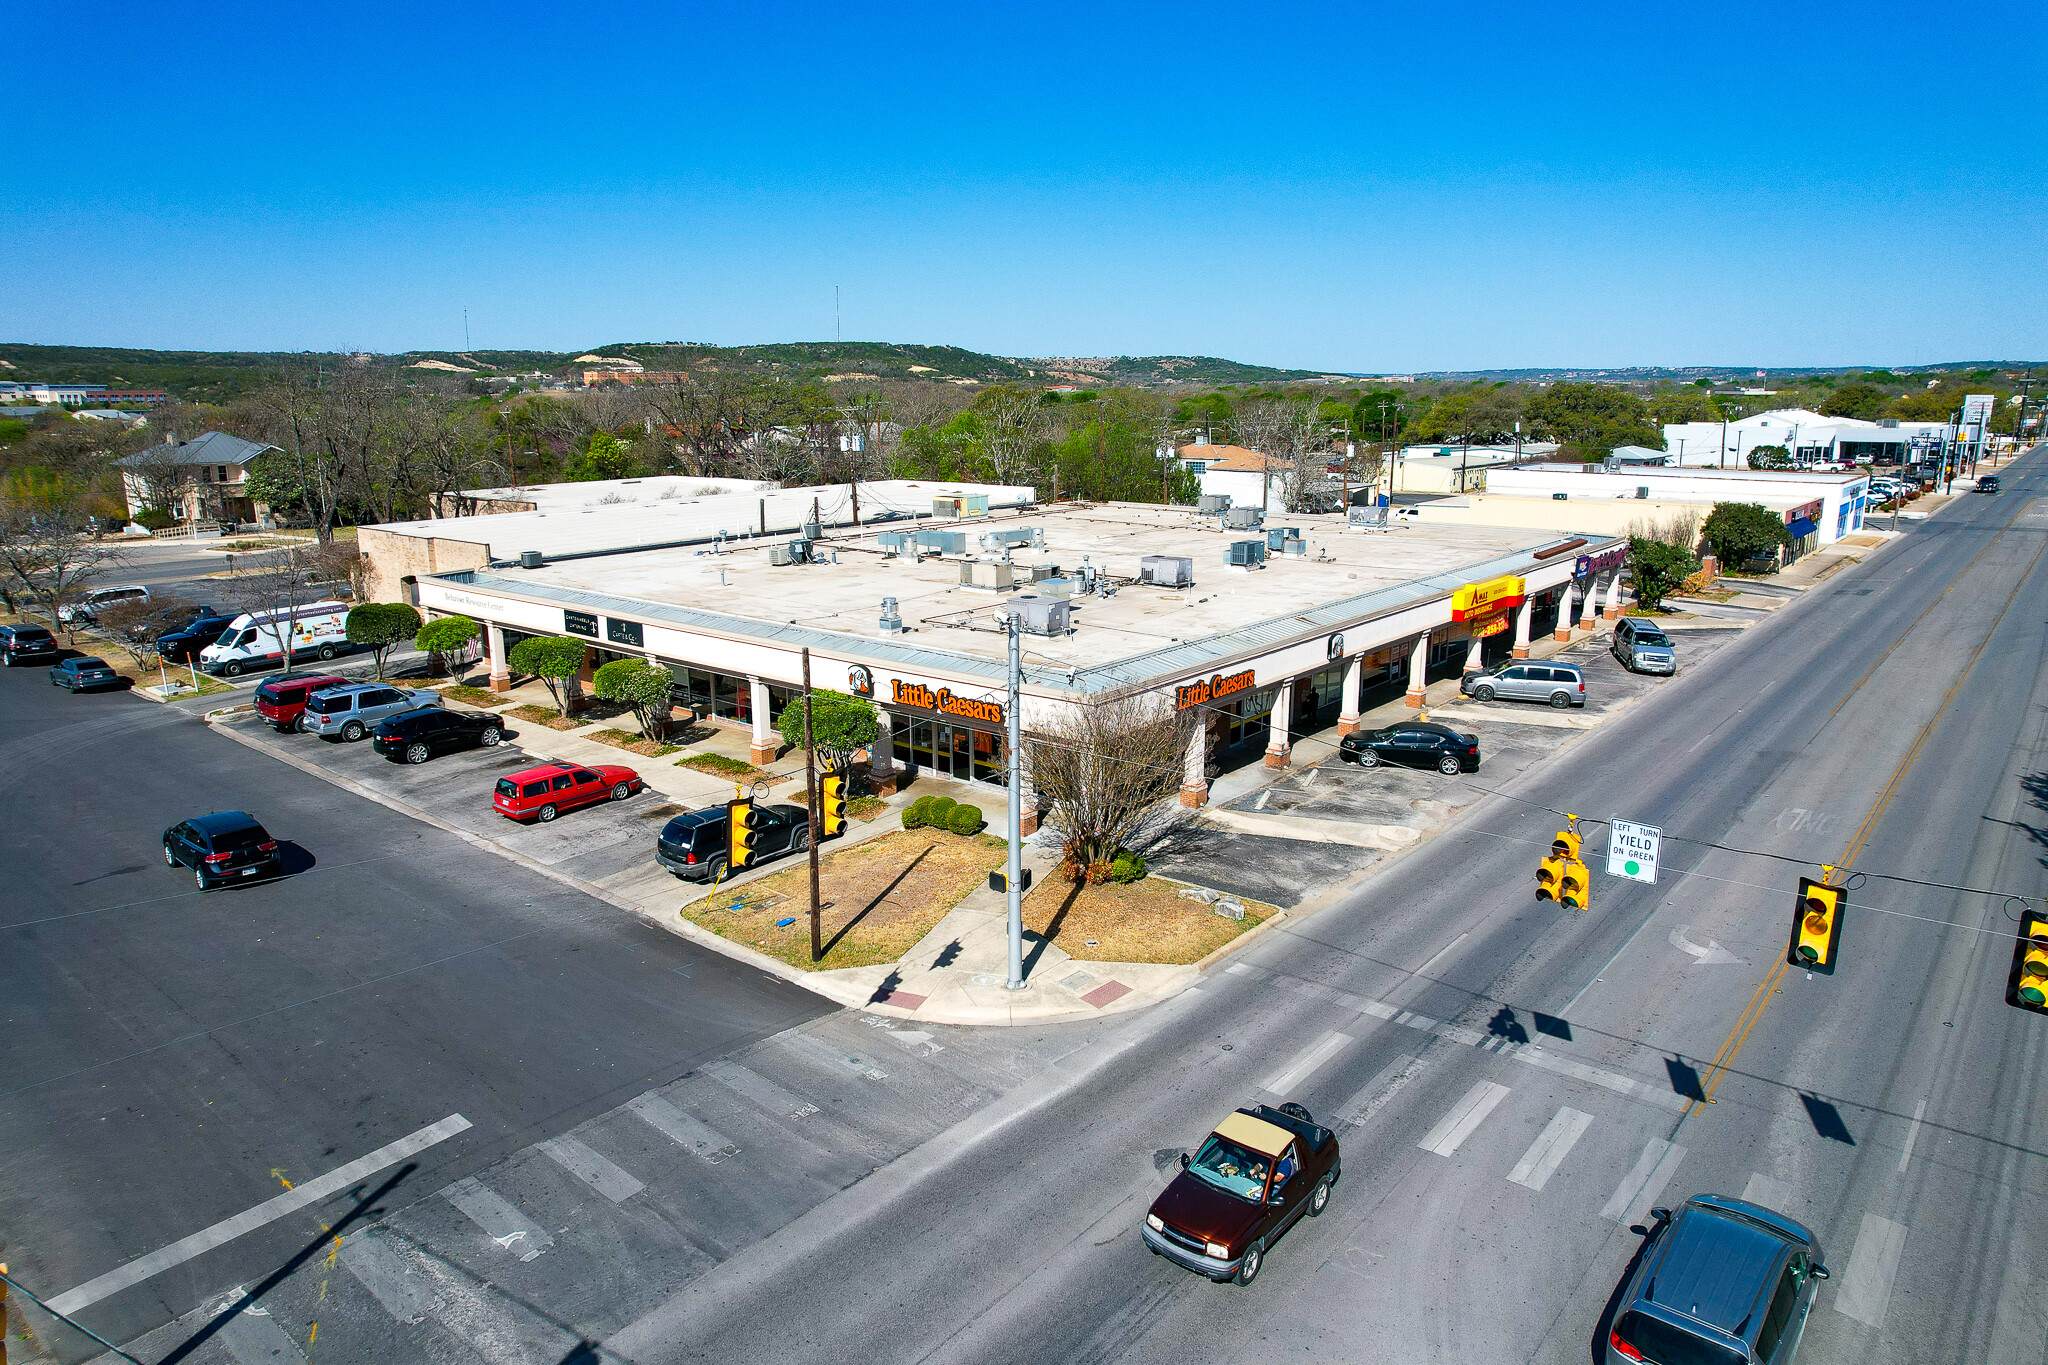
<point>1802,528</point>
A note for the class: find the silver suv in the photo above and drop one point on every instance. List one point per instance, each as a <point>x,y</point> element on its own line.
<point>349,711</point>
<point>1721,1282</point>
<point>1560,684</point>
<point>1641,647</point>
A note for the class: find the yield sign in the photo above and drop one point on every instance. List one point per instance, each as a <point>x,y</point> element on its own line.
<point>1632,850</point>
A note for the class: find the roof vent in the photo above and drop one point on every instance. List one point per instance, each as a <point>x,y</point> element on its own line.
<point>531,559</point>
<point>891,623</point>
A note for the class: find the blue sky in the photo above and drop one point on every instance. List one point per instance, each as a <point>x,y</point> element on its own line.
<point>1351,188</point>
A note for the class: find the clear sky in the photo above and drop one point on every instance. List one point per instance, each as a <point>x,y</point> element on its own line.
<point>1357,188</point>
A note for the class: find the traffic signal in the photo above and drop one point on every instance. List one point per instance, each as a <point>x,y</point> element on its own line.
<point>2029,989</point>
<point>1549,877</point>
<point>831,803</point>
<point>1562,876</point>
<point>1816,926</point>
<point>1575,892</point>
<point>741,822</point>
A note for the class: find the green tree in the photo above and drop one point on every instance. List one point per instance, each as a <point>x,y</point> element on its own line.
<point>1594,418</point>
<point>1930,406</point>
<point>606,457</point>
<point>1382,410</point>
<point>379,625</point>
<point>1657,568</point>
<point>442,636</point>
<point>1866,402</point>
<point>1738,532</point>
<point>1683,405</point>
<point>555,660</point>
<point>840,724</point>
<point>1769,457</point>
<point>640,685</point>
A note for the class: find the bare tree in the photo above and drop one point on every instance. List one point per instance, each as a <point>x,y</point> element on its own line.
<point>278,586</point>
<point>1283,432</point>
<point>51,557</point>
<point>161,482</point>
<point>293,413</point>
<point>1014,429</point>
<point>1105,772</point>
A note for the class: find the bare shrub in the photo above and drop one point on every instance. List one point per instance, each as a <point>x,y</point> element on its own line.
<point>1105,773</point>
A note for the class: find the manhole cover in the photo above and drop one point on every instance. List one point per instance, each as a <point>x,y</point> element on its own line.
<point>1077,981</point>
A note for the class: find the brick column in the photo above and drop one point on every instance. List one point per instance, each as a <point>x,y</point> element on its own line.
<point>1279,743</point>
<point>1563,630</point>
<point>763,748</point>
<point>1418,670</point>
<point>494,641</point>
<point>1354,686</point>
<point>1523,615</point>
<point>1614,597</point>
<point>1194,771</point>
<point>1589,615</point>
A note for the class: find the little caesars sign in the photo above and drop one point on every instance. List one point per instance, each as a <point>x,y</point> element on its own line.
<point>944,703</point>
<point>1206,690</point>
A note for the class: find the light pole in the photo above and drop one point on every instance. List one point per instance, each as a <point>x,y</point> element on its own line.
<point>1013,736</point>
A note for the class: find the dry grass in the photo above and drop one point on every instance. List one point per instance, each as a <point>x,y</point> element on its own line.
<point>718,765</point>
<point>474,696</point>
<point>879,898</point>
<point>541,715</point>
<point>632,742</point>
<point>1145,921</point>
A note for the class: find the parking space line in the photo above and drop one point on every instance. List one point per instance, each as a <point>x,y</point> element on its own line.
<point>1464,1117</point>
<point>1639,1189</point>
<point>1550,1149</point>
<point>1307,1064</point>
<point>1873,1265</point>
<point>594,1169</point>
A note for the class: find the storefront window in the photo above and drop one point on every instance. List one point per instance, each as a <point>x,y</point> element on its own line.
<point>948,750</point>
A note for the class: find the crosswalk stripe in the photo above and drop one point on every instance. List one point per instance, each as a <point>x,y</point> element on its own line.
<point>1377,1091</point>
<point>1873,1264</point>
<point>502,1223</point>
<point>1465,1116</point>
<point>593,1168</point>
<point>1307,1064</point>
<point>683,1128</point>
<point>405,1293</point>
<point>1772,1194</point>
<point>1639,1189</point>
<point>1549,1149</point>
<point>759,1089</point>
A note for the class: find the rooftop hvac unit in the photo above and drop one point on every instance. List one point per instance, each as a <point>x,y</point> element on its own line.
<point>1045,616</point>
<point>1278,536</point>
<point>1213,502</point>
<point>782,556</point>
<point>814,530</point>
<point>531,559</point>
<point>942,542</point>
<point>1642,490</point>
<point>1038,573</point>
<point>1060,588</point>
<point>1243,518</point>
<point>1294,545</point>
<point>895,542</point>
<point>987,573</point>
<point>1167,571</point>
<point>1021,535</point>
<point>966,505</point>
<point>1247,554</point>
<point>892,623</point>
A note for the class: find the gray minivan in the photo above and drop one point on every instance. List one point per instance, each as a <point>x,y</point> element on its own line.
<point>1722,1282</point>
<point>1642,647</point>
<point>1560,684</point>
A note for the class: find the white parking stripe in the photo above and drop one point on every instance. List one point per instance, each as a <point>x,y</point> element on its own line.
<point>1306,1065</point>
<point>1639,1189</point>
<point>1772,1194</point>
<point>700,1138</point>
<point>593,1169</point>
<point>1873,1264</point>
<point>1549,1149</point>
<point>1467,1114</point>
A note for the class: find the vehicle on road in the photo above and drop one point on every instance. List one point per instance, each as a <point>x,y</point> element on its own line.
<point>26,645</point>
<point>282,700</point>
<point>1721,1282</point>
<point>1987,483</point>
<point>255,639</point>
<point>694,845</point>
<point>1642,647</point>
<point>347,712</point>
<point>87,608</point>
<point>543,793</point>
<point>1560,684</point>
<point>73,674</point>
<point>226,846</point>
<point>1415,743</point>
<point>1250,1180</point>
<point>183,641</point>
<point>416,736</point>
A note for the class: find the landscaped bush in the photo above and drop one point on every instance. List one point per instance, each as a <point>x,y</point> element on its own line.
<point>1127,867</point>
<point>964,819</point>
<point>941,807</point>
<point>155,519</point>
<point>917,814</point>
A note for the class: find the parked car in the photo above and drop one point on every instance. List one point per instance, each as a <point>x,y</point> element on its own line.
<point>1720,1280</point>
<point>26,644</point>
<point>1249,1181</point>
<point>85,610</point>
<point>1642,647</point>
<point>348,711</point>
<point>282,700</point>
<point>416,736</point>
<point>253,640</point>
<point>694,846</point>
<point>1560,684</point>
<point>183,642</point>
<point>1987,483</point>
<point>73,674</point>
<point>228,845</point>
<point>543,793</point>
<point>1416,743</point>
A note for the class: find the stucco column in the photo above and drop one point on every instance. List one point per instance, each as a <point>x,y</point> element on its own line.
<point>1524,614</point>
<point>1194,769</point>
<point>1473,661</point>
<point>1279,742</point>
<point>882,754</point>
<point>1563,630</point>
<point>494,641</point>
<point>1589,615</point>
<point>1614,597</point>
<point>763,748</point>
<point>1418,670</point>
<point>1354,688</point>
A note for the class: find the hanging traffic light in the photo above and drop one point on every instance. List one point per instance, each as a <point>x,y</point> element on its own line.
<point>741,839</point>
<point>1562,877</point>
<point>1549,877</point>
<point>1576,891</point>
<point>2029,987</point>
<point>1816,926</point>
<point>832,802</point>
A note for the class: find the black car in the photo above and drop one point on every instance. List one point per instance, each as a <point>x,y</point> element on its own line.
<point>182,643</point>
<point>1987,483</point>
<point>1417,743</point>
<point>73,674</point>
<point>226,846</point>
<point>416,736</point>
<point>694,846</point>
<point>26,644</point>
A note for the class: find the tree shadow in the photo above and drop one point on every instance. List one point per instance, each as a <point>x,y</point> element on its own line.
<point>1504,1024</point>
<point>881,896</point>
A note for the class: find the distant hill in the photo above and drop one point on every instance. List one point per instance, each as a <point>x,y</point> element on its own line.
<point>1653,374</point>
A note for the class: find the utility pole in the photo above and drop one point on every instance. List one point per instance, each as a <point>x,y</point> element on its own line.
<point>811,806</point>
<point>853,490</point>
<point>1013,737</point>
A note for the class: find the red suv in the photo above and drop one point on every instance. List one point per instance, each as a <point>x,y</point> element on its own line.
<point>282,700</point>
<point>544,792</point>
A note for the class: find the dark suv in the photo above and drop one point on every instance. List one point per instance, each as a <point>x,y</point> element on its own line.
<point>1721,1282</point>
<point>226,846</point>
<point>26,645</point>
<point>183,641</point>
<point>416,736</point>
<point>695,846</point>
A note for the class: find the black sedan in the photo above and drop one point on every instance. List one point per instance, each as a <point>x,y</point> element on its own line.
<point>416,736</point>
<point>183,641</point>
<point>226,846</point>
<point>1987,483</point>
<point>73,674</point>
<point>1417,743</point>
<point>26,645</point>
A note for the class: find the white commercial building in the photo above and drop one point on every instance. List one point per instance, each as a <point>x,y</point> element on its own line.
<point>1812,438</point>
<point>1823,506</point>
<point>564,497</point>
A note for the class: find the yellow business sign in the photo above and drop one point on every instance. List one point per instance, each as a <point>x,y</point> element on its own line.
<point>1481,599</point>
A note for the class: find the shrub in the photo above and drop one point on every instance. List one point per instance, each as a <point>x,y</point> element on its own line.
<point>1738,532</point>
<point>918,813</point>
<point>964,819</point>
<point>1659,569</point>
<point>380,625</point>
<point>640,685</point>
<point>1127,867</point>
<point>940,807</point>
<point>155,519</point>
<point>841,724</point>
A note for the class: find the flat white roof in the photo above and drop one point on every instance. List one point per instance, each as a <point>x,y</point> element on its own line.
<point>552,497</point>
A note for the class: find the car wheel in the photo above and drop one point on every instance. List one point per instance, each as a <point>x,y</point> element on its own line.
<point>327,651</point>
<point>1482,693</point>
<point>1248,1268</point>
<point>1447,765</point>
<point>353,731</point>
<point>232,668</point>
<point>715,869</point>
<point>169,860</point>
<point>7,660</point>
<point>299,724</point>
<point>416,753</point>
<point>546,813</point>
<point>1560,699</point>
<point>199,877</point>
<point>622,791</point>
<point>1368,758</point>
<point>489,738</point>
<point>1320,1200</point>
<point>801,842</point>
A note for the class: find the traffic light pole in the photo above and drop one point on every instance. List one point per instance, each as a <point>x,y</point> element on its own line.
<point>1014,826</point>
<point>811,809</point>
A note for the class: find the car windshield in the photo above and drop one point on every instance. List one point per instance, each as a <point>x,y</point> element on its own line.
<point>234,840</point>
<point>328,703</point>
<point>1230,1168</point>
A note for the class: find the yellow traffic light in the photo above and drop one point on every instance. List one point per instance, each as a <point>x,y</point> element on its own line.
<point>1549,878</point>
<point>740,822</point>
<point>831,803</point>
<point>1565,846</point>
<point>1816,926</point>
<point>1562,877</point>
<point>2029,988</point>
<point>1576,891</point>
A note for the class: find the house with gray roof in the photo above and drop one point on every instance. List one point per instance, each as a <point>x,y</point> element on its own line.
<point>203,479</point>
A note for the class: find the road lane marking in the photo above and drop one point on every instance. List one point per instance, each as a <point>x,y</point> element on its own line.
<point>1465,1116</point>
<point>1912,1135</point>
<point>1307,1064</point>
<point>1639,1189</point>
<point>1772,1194</point>
<point>1377,1091</point>
<point>502,1223</point>
<point>1439,953</point>
<point>405,1293</point>
<point>683,1128</point>
<point>1549,1149</point>
<point>832,1055</point>
<point>759,1089</point>
<point>269,1211</point>
<point>593,1168</point>
<point>1873,1264</point>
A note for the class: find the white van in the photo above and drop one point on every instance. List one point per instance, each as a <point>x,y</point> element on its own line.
<point>253,640</point>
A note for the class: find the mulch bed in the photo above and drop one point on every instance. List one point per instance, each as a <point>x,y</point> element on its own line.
<point>541,715</point>
<point>632,742</point>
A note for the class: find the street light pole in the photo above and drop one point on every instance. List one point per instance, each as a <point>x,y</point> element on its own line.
<point>811,808</point>
<point>1013,736</point>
